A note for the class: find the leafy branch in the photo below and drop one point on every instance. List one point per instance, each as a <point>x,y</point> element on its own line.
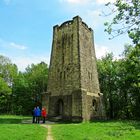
<point>126,19</point>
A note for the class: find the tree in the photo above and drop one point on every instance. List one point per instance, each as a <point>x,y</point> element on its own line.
<point>8,72</point>
<point>22,102</point>
<point>5,92</point>
<point>28,88</point>
<point>120,83</point>
<point>126,19</point>
<point>108,69</point>
<point>37,76</point>
<point>21,91</point>
<point>132,67</point>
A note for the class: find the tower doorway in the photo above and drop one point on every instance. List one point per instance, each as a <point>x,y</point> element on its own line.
<point>60,107</point>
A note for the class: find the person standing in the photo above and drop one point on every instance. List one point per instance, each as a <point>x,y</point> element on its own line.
<point>33,114</point>
<point>43,114</point>
<point>37,114</point>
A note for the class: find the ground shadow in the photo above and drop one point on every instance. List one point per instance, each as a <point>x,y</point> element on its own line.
<point>133,123</point>
<point>136,124</point>
<point>14,120</point>
<point>10,121</point>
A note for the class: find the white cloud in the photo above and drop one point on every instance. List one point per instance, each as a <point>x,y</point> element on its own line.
<point>13,45</point>
<point>23,62</point>
<point>101,50</point>
<point>17,46</point>
<point>19,57</point>
<point>104,1</point>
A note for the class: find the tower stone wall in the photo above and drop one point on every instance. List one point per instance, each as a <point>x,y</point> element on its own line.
<point>73,86</point>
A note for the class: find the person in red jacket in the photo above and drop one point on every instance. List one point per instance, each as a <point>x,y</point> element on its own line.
<point>43,114</point>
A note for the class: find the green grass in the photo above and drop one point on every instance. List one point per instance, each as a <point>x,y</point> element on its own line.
<point>11,128</point>
<point>113,130</point>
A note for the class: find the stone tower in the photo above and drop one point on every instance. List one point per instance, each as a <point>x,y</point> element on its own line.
<point>73,86</point>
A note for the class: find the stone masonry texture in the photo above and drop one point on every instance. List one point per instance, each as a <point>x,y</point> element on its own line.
<point>73,87</point>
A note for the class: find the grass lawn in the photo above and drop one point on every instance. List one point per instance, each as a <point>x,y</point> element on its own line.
<point>111,130</point>
<point>12,129</point>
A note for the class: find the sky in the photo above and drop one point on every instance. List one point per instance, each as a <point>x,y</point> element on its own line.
<point>26,28</point>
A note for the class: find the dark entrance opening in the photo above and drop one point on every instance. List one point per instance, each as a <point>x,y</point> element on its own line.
<point>94,104</point>
<point>60,107</point>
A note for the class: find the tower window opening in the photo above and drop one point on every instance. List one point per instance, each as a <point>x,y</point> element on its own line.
<point>94,104</point>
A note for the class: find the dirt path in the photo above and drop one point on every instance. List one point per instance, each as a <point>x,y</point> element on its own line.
<point>49,135</point>
<point>46,125</point>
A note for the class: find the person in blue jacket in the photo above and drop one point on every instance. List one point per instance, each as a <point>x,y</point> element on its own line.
<point>37,114</point>
<point>34,115</point>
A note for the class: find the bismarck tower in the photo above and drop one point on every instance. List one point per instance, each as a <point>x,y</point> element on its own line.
<point>73,87</point>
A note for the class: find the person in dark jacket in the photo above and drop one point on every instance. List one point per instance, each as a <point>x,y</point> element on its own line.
<point>37,114</point>
<point>33,114</point>
<point>43,114</point>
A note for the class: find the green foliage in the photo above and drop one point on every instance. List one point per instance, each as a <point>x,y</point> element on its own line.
<point>119,81</point>
<point>108,69</point>
<point>28,88</point>
<point>37,76</point>
<point>132,65</point>
<point>126,19</point>
<point>127,92</point>
<point>5,91</point>
<point>8,72</point>
<point>21,96</point>
<point>21,91</point>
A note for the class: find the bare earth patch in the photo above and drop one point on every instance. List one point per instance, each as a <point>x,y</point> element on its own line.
<point>49,135</point>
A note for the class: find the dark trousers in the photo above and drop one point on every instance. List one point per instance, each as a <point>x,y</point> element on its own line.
<point>33,119</point>
<point>44,118</point>
<point>37,119</point>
